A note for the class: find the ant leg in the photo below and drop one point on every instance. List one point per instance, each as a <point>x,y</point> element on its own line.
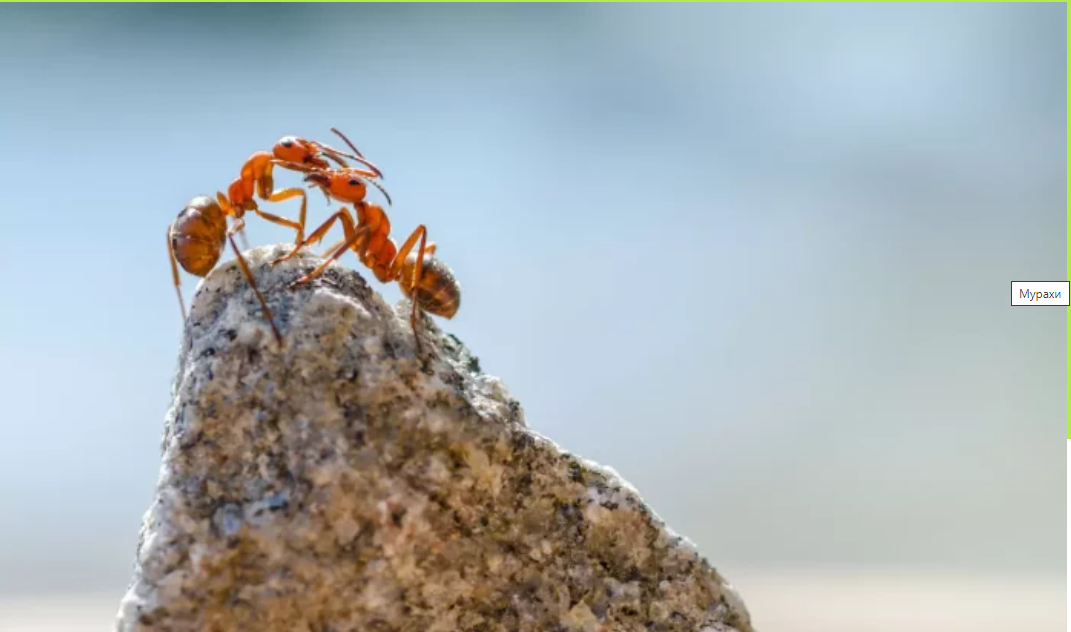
<point>286,194</point>
<point>362,232</point>
<point>275,219</point>
<point>430,249</point>
<point>231,210</point>
<point>418,273</point>
<point>175,274</point>
<point>237,227</point>
<point>377,239</point>
<point>347,226</point>
<point>328,251</point>
<point>420,233</point>
<point>282,221</point>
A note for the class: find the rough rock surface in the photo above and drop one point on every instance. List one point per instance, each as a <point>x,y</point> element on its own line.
<point>341,484</point>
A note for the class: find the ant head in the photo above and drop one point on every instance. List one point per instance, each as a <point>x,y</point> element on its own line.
<point>350,187</point>
<point>344,187</point>
<point>294,149</point>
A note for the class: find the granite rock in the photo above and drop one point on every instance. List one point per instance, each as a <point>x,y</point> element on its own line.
<point>341,483</point>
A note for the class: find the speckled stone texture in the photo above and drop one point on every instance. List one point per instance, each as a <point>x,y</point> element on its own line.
<point>342,484</point>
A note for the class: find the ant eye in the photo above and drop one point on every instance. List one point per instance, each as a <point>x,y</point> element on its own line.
<point>288,143</point>
<point>354,182</point>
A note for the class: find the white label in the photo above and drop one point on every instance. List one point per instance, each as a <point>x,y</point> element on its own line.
<point>1052,293</point>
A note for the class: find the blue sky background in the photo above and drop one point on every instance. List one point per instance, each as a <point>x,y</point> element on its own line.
<point>757,258</point>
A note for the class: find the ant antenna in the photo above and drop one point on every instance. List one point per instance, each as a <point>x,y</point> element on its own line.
<point>360,157</point>
<point>347,141</point>
<point>381,190</point>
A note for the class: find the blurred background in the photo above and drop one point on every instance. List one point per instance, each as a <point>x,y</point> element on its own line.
<point>756,258</point>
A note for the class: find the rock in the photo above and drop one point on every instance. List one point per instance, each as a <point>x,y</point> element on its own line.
<point>340,484</point>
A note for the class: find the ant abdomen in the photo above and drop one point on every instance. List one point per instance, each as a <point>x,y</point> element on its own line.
<point>437,291</point>
<point>198,235</point>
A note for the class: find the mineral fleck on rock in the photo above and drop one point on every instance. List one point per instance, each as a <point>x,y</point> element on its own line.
<point>342,484</point>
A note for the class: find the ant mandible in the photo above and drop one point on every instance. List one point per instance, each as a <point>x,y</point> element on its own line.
<point>431,284</point>
<point>292,153</point>
<point>196,239</point>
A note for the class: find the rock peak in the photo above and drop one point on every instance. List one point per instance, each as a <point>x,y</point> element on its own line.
<point>341,483</point>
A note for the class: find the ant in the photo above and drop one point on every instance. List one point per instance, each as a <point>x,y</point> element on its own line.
<point>292,153</point>
<point>196,239</point>
<point>431,284</point>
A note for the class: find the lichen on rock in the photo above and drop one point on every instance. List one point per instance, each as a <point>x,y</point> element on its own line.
<point>341,483</point>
